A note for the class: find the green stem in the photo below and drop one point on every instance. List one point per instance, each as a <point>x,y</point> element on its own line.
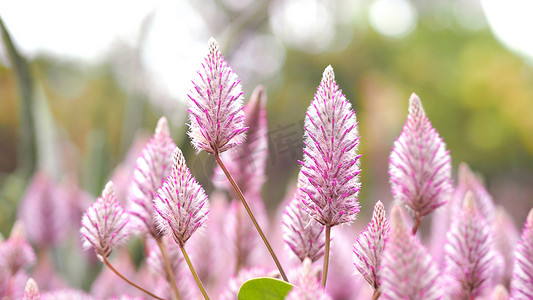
<point>169,270</point>
<point>129,281</point>
<point>326,256</point>
<point>259,230</point>
<point>196,278</point>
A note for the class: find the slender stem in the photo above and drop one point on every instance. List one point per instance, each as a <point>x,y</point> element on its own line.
<point>418,220</point>
<point>241,196</point>
<point>129,281</point>
<point>169,270</point>
<point>326,256</point>
<point>376,294</point>
<point>196,278</point>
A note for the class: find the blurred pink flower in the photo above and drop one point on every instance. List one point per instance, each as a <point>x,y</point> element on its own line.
<point>469,254</point>
<point>407,271</point>
<point>215,110</point>
<point>180,203</point>
<point>369,246</point>
<point>16,253</point>
<point>308,284</point>
<point>522,281</point>
<point>151,168</point>
<point>499,293</point>
<point>302,234</point>
<point>104,224</point>
<point>419,164</point>
<point>247,162</point>
<point>330,165</point>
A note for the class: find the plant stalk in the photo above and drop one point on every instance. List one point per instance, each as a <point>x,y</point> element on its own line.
<point>196,278</point>
<point>129,281</point>
<point>259,230</point>
<point>326,256</point>
<point>376,294</point>
<point>418,220</point>
<point>169,270</point>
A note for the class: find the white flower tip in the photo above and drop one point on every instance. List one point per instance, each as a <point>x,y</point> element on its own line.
<point>328,76</point>
<point>162,126</point>
<point>379,211</point>
<point>499,293</point>
<point>465,174</point>
<point>213,46</point>
<point>529,219</point>
<point>31,291</point>
<point>415,106</point>
<point>397,219</point>
<point>108,190</point>
<point>19,230</point>
<point>179,160</point>
<point>469,204</point>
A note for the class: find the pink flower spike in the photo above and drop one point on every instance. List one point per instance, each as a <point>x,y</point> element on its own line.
<point>469,256</point>
<point>247,162</point>
<point>16,253</point>
<point>104,224</point>
<point>369,246</point>
<point>302,234</point>
<point>151,168</point>
<point>522,281</point>
<point>181,203</point>
<point>419,164</point>
<point>330,164</point>
<point>216,118</point>
<point>407,271</point>
<point>308,284</point>
<point>31,292</point>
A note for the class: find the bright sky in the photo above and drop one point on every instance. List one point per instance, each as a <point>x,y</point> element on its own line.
<point>87,29</point>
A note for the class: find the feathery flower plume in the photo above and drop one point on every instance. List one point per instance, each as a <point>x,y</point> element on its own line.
<point>16,253</point>
<point>152,167</point>
<point>369,246</point>
<point>31,292</point>
<point>308,284</point>
<point>215,110</point>
<point>469,256</point>
<point>407,271</point>
<point>522,282</point>
<point>303,235</point>
<point>181,203</point>
<point>330,165</point>
<point>247,162</point>
<point>104,224</point>
<point>419,165</point>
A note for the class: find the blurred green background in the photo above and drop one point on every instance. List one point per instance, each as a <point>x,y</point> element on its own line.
<point>77,117</point>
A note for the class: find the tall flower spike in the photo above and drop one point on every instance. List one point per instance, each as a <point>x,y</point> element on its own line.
<point>330,164</point>
<point>151,168</point>
<point>31,292</point>
<point>369,246</point>
<point>522,282</point>
<point>303,235</point>
<point>408,271</point>
<point>181,203</point>
<point>16,253</point>
<point>469,256</point>
<point>104,224</point>
<point>215,110</point>
<point>248,162</point>
<point>419,164</point>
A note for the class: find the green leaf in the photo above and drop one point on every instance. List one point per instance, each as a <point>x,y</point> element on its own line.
<point>264,288</point>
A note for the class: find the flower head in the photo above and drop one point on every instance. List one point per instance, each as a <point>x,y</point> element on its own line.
<point>522,282</point>
<point>308,284</point>
<point>370,244</point>
<point>181,203</point>
<point>408,271</point>
<point>419,164</point>
<point>330,165</point>
<point>469,255</point>
<point>215,106</point>
<point>303,235</point>
<point>151,168</point>
<point>31,292</point>
<point>16,253</point>
<point>104,223</point>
